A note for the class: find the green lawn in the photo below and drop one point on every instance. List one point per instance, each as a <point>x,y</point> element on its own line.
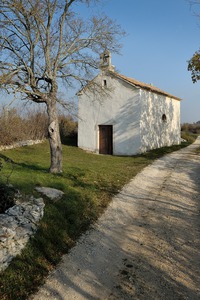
<point>88,181</point>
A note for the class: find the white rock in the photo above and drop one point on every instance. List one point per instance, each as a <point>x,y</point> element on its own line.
<point>2,255</point>
<point>10,233</point>
<point>6,220</point>
<point>14,211</point>
<point>51,193</point>
<point>39,202</point>
<point>16,226</point>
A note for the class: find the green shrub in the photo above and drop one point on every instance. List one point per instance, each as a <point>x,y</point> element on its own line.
<point>68,129</point>
<point>192,128</point>
<point>188,136</point>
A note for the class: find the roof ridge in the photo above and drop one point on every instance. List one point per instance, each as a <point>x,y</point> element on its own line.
<point>143,85</point>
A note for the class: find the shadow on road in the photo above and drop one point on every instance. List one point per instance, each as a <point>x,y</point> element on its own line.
<point>146,245</point>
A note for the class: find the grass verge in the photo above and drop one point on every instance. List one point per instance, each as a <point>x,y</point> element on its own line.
<point>88,181</point>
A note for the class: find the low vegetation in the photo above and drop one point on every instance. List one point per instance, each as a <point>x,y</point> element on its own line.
<point>31,124</point>
<point>189,132</point>
<point>88,181</point>
<point>16,127</point>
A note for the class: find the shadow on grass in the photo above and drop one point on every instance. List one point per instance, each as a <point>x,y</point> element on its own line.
<point>157,153</point>
<point>70,140</point>
<point>5,158</point>
<point>62,223</point>
<point>162,258</point>
<point>33,167</point>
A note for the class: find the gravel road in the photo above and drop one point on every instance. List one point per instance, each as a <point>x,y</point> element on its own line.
<point>145,246</point>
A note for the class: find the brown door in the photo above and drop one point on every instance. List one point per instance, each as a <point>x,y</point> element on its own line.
<point>105,139</point>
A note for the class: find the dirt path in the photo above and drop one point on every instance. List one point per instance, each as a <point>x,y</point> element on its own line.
<point>145,246</point>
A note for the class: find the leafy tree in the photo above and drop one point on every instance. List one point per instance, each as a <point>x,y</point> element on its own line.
<point>44,43</point>
<point>194,66</point>
<point>194,62</point>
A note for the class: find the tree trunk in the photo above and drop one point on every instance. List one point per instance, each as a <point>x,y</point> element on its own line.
<point>54,138</point>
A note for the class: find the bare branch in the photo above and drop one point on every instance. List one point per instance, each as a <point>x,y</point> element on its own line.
<point>44,43</point>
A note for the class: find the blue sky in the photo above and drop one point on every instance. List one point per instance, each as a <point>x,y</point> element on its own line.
<point>162,35</point>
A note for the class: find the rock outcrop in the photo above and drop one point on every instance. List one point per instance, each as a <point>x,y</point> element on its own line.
<point>17,224</point>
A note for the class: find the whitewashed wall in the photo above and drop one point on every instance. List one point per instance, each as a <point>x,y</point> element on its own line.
<point>155,132</point>
<point>121,109</point>
<point>136,116</point>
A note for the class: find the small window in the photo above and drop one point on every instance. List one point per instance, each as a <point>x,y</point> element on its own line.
<point>104,83</point>
<point>164,118</point>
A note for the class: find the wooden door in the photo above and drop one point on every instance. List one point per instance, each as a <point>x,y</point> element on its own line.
<point>105,139</point>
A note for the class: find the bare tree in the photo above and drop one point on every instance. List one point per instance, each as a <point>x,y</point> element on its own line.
<point>44,42</point>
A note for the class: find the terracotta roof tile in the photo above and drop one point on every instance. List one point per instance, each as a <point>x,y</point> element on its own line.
<point>145,86</point>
